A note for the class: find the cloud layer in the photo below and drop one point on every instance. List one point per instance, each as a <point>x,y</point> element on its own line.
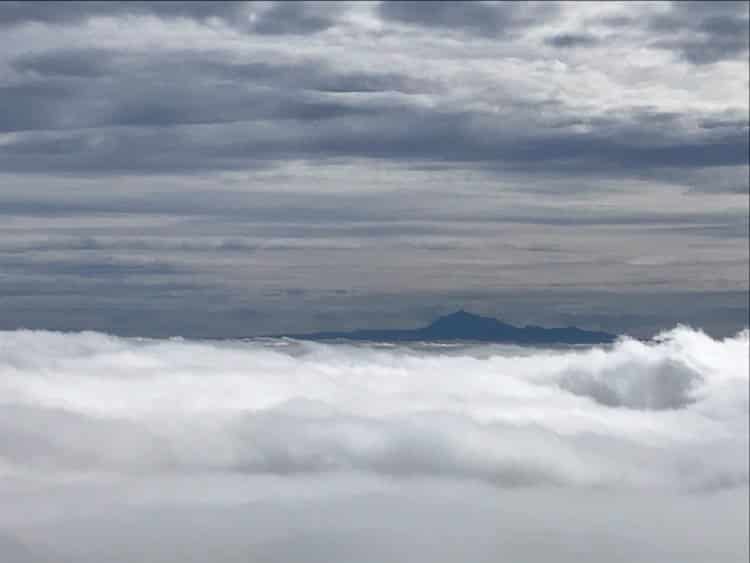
<point>86,411</point>
<point>80,402</point>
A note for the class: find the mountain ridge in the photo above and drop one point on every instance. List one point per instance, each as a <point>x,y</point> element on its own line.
<point>464,326</point>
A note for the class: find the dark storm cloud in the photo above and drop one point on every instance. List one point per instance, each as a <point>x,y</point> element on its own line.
<point>501,20</point>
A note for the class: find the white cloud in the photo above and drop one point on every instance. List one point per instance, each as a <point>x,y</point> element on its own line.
<point>99,432</point>
<point>505,416</point>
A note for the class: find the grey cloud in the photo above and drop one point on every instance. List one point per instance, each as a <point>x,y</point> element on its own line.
<point>95,268</point>
<point>370,524</point>
<point>34,105</point>
<point>572,40</point>
<point>78,63</point>
<point>732,230</point>
<point>173,66</point>
<point>294,18</point>
<point>704,32</point>
<point>15,13</point>
<point>141,91</point>
<point>311,214</point>
<point>501,20</point>
<point>722,179</point>
<point>311,75</point>
<point>93,304</point>
<point>273,18</point>
<point>319,129</point>
<point>256,114</point>
<point>301,241</point>
<point>699,32</point>
<point>461,137</point>
<point>227,107</point>
<point>669,386</point>
<point>16,551</point>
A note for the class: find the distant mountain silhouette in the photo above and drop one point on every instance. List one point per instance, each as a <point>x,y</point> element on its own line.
<point>467,326</point>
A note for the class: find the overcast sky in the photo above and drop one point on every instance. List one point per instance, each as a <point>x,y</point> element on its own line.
<point>242,168</point>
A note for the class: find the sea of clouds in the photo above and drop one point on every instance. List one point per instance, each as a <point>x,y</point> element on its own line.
<point>116,449</point>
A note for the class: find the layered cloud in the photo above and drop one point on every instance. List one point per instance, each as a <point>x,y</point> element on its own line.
<point>434,136</point>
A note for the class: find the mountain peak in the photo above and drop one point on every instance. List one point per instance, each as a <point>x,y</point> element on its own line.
<point>460,314</point>
<point>461,323</point>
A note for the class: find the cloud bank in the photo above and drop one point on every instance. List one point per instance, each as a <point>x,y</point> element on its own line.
<point>507,416</point>
<point>140,427</point>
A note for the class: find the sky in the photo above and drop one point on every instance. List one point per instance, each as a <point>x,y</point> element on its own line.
<point>226,169</point>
